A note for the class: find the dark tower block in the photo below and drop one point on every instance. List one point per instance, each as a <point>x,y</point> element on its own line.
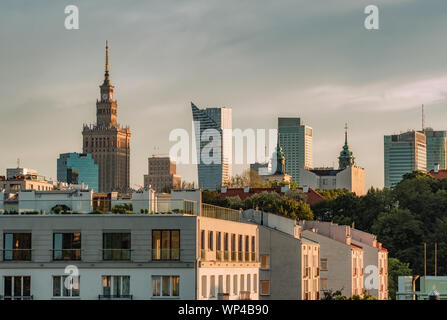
<point>107,141</point>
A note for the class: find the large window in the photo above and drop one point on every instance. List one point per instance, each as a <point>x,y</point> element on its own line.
<point>67,246</point>
<point>17,246</point>
<point>265,261</point>
<point>323,264</point>
<point>116,246</point>
<point>265,287</point>
<point>166,286</point>
<point>65,286</point>
<point>210,240</point>
<point>116,286</point>
<point>165,244</point>
<point>17,288</point>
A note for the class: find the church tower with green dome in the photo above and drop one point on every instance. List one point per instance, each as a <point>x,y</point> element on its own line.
<point>346,158</point>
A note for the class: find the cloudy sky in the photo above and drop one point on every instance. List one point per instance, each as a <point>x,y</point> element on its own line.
<point>263,58</point>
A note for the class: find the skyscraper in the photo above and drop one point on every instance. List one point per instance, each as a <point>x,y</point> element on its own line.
<point>77,168</point>
<point>404,153</point>
<point>107,141</point>
<point>295,139</point>
<point>436,148</point>
<point>213,175</point>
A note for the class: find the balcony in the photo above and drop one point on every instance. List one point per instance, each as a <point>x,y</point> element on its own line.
<point>66,254</point>
<point>116,254</point>
<point>17,254</point>
<point>115,297</point>
<point>172,254</point>
<point>244,295</point>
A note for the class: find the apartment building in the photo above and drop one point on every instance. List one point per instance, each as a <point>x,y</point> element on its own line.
<point>375,261</point>
<point>341,260</point>
<point>162,174</point>
<point>289,267</point>
<point>121,256</point>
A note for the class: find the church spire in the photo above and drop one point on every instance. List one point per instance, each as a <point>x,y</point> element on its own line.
<point>346,157</point>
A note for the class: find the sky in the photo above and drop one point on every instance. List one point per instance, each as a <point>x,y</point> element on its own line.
<point>262,58</point>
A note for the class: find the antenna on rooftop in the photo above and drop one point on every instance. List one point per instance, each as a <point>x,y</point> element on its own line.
<point>423,119</point>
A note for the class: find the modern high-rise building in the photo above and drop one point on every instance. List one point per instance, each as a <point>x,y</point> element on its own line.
<point>162,174</point>
<point>404,153</point>
<point>78,168</point>
<point>295,139</point>
<point>213,157</point>
<point>436,148</point>
<point>108,142</point>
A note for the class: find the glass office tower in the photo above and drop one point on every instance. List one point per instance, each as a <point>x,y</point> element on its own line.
<point>217,173</point>
<point>77,168</point>
<point>295,139</point>
<point>404,153</point>
<point>436,148</point>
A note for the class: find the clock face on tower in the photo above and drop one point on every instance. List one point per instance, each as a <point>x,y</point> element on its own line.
<point>105,96</point>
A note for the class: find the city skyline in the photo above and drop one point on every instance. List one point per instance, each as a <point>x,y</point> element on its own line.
<point>263,69</point>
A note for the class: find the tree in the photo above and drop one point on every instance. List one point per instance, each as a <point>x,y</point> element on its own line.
<point>396,268</point>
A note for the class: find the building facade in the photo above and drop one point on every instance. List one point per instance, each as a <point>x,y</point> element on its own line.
<point>162,174</point>
<point>404,153</point>
<point>351,178</point>
<point>289,267</point>
<point>123,257</point>
<point>295,139</point>
<point>214,162</point>
<point>108,142</point>
<point>26,182</point>
<point>341,261</point>
<point>78,168</point>
<point>436,148</point>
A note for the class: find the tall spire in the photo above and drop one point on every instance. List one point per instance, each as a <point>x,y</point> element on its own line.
<point>346,133</point>
<point>106,75</point>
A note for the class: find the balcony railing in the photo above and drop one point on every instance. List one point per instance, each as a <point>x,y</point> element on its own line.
<point>166,254</point>
<point>244,295</point>
<point>239,255</point>
<point>216,212</point>
<point>116,254</point>
<point>247,256</point>
<point>116,297</point>
<point>16,297</point>
<point>233,256</point>
<point>226,255</point>
<point>66,254</point>
<point>253,256</point>
<point>17,254</point>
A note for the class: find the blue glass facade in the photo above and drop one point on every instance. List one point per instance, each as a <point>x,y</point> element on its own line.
<point>77,168</point>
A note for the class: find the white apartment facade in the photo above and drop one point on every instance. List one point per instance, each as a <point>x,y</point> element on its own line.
<point>119,256</point>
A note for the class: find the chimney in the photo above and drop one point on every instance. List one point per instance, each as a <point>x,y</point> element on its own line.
<point>436,170</point>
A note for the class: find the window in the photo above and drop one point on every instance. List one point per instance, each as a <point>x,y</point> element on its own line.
<point>323,264</point>
<point>255,283</point>
<point>165,244</point>
<point>116,246</point>
<point>235,284</point>
<point>219,241</point>
<point>242,288</point>
<point>210,240</point>
<point>240,248</point>
<point>265,287</point>
<point>248,282</point>
<point>116,286</point>
<point>228,284</point>
<point>65,286</point>
<point>246,248</point>
<point>202,240</point>
<point>17,246</point>
<point>204,287</point>
<point>212,286</point>
<point>265,261</point>
<point>166,286</point>
<point>67,246</point>
<point>220,285</point>
<point>323,282</point>
<point>17,288</point>
<point>253,248</point>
